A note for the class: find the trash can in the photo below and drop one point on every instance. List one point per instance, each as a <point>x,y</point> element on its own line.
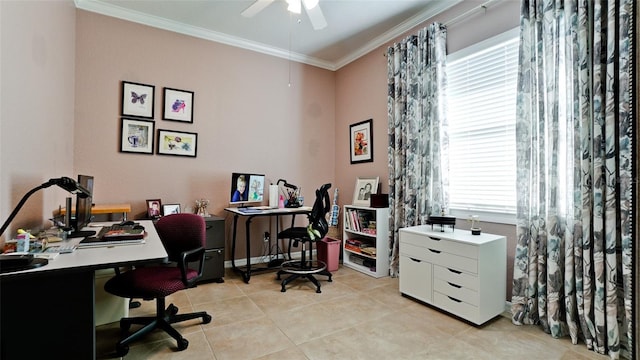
<point>328,250</point>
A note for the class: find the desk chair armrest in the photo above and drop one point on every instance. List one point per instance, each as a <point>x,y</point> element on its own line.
<point>190,256</point>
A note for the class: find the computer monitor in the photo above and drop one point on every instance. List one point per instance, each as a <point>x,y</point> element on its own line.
<point>83,205</point>
<point>246,189</point>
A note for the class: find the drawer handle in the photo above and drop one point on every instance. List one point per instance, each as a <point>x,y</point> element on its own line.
<point>454,299</point>
<point>416,260</point>
<point>454,285</point>
<point>432,238</point>
<point>455,271</point>
<point>207,227</point>
<point>435,251</point>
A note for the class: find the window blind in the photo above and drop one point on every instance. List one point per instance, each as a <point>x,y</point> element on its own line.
<point>481,111</point>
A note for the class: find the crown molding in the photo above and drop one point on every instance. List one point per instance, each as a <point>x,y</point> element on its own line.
<point>198,32</point>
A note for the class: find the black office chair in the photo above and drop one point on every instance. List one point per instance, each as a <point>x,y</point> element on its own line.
<point>307,236</point>
<point>183,236</point>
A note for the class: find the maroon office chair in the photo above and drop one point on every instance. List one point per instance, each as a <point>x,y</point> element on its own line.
<point>183,236</point>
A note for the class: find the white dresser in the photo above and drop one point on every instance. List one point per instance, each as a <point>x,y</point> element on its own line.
<point>455,271</point>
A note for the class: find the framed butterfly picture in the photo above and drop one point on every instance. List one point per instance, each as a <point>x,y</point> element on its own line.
<point>178,105</point>
<point>137,99</point>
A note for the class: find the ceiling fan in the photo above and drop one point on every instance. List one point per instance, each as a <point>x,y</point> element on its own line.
<point>295,6</point>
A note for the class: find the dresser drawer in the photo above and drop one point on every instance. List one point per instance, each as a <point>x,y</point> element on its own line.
<point>439,257</point>
<point>441,243</point>
<point>456,277</point>
<point>467,295</point>
<point>456,307</point>
<point>416,278</point>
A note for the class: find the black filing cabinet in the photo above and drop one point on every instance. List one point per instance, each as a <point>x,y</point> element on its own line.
<point>214,254</point>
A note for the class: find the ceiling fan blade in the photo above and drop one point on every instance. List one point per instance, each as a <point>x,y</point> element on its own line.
<point>316,16</point>
<point>256,7</point>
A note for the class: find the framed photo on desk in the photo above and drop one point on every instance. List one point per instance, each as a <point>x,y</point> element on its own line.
<point>153,208</point>
<point>168,209</point>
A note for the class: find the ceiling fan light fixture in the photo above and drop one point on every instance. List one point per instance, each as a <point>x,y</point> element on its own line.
<point>310,4</point>
<point>294,6</point>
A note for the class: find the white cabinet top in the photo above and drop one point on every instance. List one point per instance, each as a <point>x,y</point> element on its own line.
<point>451,234</point>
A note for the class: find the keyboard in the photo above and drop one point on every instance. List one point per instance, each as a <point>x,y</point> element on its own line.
<point>62,249</point>
<point>248,210</point>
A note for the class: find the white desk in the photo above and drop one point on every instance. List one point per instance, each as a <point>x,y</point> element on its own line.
<point>48,312</point>
<point>248,216</point>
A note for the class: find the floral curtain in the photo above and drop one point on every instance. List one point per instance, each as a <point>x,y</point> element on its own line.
<point>573,260</point>
<point>417,137</point>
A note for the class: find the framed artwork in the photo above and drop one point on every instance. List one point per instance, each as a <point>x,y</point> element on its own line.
<point>169,209</point>
<point>136,136</point>
<point>364,188</point>
<point>177,143</point>
<point>137,99</point>
<point>178,105</point>
<point>153,208</point>
<point>361,137</point>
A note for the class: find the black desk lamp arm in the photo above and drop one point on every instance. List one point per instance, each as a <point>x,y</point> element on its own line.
<point>20,204</point>
<point>64,182</point>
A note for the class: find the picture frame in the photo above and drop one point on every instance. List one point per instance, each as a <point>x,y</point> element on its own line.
<point>177,143</point>
<point>136,136</point>
<point>169,209</point>
<point>178,105</point>
<point>138,99</point>
<point>365,186</point>
<point>361,141</point>
<point>154,207</point>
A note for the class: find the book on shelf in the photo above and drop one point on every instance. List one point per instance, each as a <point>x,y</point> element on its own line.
<point>361,221</point>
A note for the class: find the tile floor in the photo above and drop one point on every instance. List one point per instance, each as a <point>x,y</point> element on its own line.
<point>355,317</point>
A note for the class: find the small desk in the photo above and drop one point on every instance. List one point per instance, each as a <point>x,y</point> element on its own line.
<point>49,312</point>
<point>248,216</point>
<point>103,209</point>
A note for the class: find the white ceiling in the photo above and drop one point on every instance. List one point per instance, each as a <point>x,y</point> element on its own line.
<point>355,27</point>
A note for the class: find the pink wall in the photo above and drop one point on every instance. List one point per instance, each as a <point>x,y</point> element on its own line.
<point>246,116</point>
<point>37,72</point>
<point>361,94</point>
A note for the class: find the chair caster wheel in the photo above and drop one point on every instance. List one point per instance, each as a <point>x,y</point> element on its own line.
<point>172,309</point>
<point>318,291</point>
<point>283,289</point>
<point>122,350</point>
<point>125,326</point>
<point>206,319</point>
<point>183,344</point>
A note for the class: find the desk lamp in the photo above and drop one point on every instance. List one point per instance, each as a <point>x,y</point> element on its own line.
<point>22,262</point>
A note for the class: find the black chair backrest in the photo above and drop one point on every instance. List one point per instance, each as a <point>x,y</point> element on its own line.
<point>181,232</point>
<point>322,205</point>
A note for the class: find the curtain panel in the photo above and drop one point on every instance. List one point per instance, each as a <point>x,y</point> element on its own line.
<point>575,129</point>
<point>418,144</point>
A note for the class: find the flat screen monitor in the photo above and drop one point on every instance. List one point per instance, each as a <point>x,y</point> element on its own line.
<point>83,205</point>
<point>246,189</point>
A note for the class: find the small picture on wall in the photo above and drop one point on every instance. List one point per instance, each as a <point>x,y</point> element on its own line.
<point>178,105</point>
<point>136,136</point>
<point>153,208</point>
<point>361,141</point>
<point>137,99</point>
<point>177,143</point>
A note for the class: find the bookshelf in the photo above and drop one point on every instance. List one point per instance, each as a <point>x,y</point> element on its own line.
<point>366,240</point>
